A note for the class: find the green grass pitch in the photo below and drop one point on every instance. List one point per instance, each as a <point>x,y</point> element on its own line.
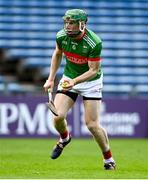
<point>81,159</point>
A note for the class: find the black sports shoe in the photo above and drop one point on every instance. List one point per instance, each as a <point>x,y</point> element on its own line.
<point>110,166</point>
<point>57,150</point>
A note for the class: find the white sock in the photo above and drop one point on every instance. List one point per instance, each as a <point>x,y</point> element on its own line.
<point>109,160</point>
<point>65,139</point>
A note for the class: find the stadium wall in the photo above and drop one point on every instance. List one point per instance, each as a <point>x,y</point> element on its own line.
<point>27,116</point>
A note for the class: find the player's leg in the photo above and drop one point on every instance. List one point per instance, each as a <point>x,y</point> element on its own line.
<point>92,114</point>
<point>63,102</point>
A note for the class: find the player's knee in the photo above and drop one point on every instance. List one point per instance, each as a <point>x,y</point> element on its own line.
<point>92,126</point>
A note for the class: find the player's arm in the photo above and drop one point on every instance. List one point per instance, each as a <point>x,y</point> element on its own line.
<point>55,63</point>
<point>91,73</point>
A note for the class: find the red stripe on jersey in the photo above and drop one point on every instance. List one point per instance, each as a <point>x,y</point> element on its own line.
<point>77,59</point>
<point>94,59</point>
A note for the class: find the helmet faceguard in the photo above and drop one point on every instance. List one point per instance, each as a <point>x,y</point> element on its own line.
<point>78,16</point>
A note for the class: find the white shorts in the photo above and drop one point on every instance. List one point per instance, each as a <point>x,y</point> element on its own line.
<point>88,89</point>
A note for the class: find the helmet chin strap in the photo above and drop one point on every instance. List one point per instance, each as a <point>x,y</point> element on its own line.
<point>82,27</point>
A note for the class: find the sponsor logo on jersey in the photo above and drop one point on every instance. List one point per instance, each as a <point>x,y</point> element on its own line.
<point>77,59</point>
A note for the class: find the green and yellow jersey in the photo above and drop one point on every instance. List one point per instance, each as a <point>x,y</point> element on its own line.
<point>78,53</point>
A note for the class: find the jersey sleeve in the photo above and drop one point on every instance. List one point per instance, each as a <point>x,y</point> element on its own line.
<point>59,37</point>
<point>58,41</point>
<point>95,53</point>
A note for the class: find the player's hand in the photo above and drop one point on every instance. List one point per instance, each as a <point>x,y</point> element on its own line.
<point>48,85</point>
<point>67,84</point>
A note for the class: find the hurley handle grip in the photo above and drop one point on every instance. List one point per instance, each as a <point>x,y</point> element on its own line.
<point>49,95</point>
